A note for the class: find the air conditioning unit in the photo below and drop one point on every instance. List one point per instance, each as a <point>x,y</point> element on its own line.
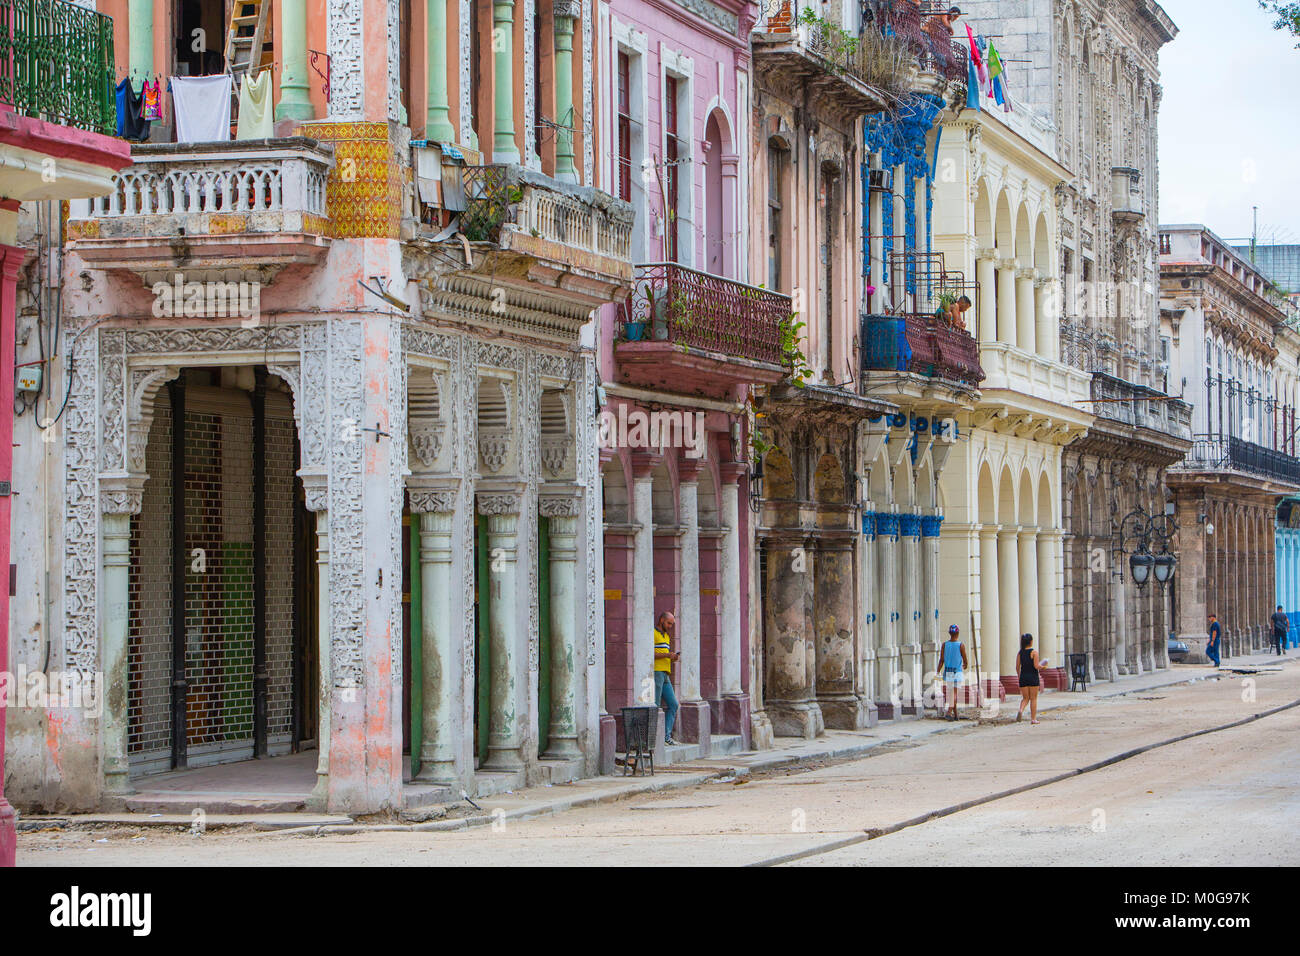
<point>880,180</point>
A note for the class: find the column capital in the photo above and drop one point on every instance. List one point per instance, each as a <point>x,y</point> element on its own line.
<point>567,9</point>
<point>315,486</point>
<point>644,462</point>
<point>559,506</point>
<point>1009,262</point>
<point>121,494</point>
<point>1029,273</point>
<point>1009,531</point>
<point>688,469</point>
<point>1027,534</point>
<point>986,253</point>
<point>432,496</point>
<point>990,530</point>
<point>732,471</point>
<point>491,505</point>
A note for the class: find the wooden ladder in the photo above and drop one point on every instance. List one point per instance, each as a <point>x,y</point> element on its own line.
<point>246,39</point>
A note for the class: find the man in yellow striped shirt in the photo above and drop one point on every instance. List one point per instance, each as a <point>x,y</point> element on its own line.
<point>664,656</point>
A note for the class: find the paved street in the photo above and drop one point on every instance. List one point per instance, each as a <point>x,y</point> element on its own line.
<point>1217,799</point>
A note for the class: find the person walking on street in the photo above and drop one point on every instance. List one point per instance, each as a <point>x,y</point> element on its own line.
<point>954,667</point>
<point>1281,626</point>
<point>1215,646</point>
<point>1027,665</point>
<point>665,696</point>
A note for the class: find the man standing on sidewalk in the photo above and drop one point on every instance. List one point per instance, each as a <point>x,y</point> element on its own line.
<point>954,667</point>
<point>1215,646</point>
<point>665,696</point>
<point>1280,628</point>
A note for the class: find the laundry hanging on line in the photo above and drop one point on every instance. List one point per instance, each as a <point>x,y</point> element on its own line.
<point>131,122</point>
<point>152,94</point>
<point>256,120</point>
<point>202,107</point>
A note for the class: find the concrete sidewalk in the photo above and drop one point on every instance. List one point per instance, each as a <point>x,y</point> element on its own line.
<point>728,770</point>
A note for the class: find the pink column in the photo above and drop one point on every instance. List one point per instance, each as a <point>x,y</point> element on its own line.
<point>11,259</point>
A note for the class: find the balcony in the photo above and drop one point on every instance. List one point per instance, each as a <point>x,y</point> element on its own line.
<point>1126,194</point>
<point>686,331</point>
<point>56,100</point>
<point>523,226</point>
<point>861,74</point>
<point>56,64</point>
<point>1138,406</point>
<point>920,345</point>
<point>256,204</point>
<point>1223,456</point>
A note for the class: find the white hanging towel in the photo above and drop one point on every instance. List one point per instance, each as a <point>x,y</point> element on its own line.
<point>256,121</point>
<point>202,106</point>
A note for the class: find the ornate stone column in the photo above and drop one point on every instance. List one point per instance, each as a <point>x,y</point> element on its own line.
<point>1007,332</point>
<point>562,514</point>
<point>867,633</point>
<point>507,702</point>
<point>437,118</point>
<point>1047,315</point>
<point>1009,604</point>
<point>1026,331</point>
<point>1028,542</point>
<point>735,703</point>
<point>1049,644</point>
<point>909,603</point>
<point>887,624</point>
<point>789,653</point>
<point>117,505</point>
<point>317,501</point>
<point>834,622</point>
<point>504,148</point>
<point>693,717</point>
<point>931,525</point>
<point>642,610</point>
<point>990,637</point>
<point>565,13</point>
<point>985,276</point>
<point>435,512</point>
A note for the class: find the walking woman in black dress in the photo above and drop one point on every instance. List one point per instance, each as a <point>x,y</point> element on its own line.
<point>1027,665</point>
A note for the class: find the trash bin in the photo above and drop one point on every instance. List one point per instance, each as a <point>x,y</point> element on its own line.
<point>639,727</point>
<point>1078,671</point>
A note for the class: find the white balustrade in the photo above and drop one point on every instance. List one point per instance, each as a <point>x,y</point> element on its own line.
<point>173,181</point>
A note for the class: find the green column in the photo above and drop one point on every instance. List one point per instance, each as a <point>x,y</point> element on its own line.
<point>504,149</point>
<point>295,103</point>
<point>437,121</point>
<point>140,19</point>
<point>564,115</point>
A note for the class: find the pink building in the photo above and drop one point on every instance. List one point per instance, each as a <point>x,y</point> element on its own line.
<point>678,358</point>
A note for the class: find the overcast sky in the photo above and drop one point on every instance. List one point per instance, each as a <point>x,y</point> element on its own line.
<point>1230,121</point>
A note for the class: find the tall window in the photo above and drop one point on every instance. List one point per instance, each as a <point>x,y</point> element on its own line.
<point>670,161</point>
<point>776,159</point>
<point>624,129</point>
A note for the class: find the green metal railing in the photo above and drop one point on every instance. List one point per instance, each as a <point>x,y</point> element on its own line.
<point>56,64</point>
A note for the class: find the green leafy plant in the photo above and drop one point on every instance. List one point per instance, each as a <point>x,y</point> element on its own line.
<point>836,45</point>
<point>791,354</point>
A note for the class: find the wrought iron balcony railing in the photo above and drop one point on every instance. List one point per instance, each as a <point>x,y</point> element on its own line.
<point>1235,454</point>
<point>673,303</point>
<point>498,196</point>
<point>893,42</point>
<point>56,64</point>
<point>922,345</point>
